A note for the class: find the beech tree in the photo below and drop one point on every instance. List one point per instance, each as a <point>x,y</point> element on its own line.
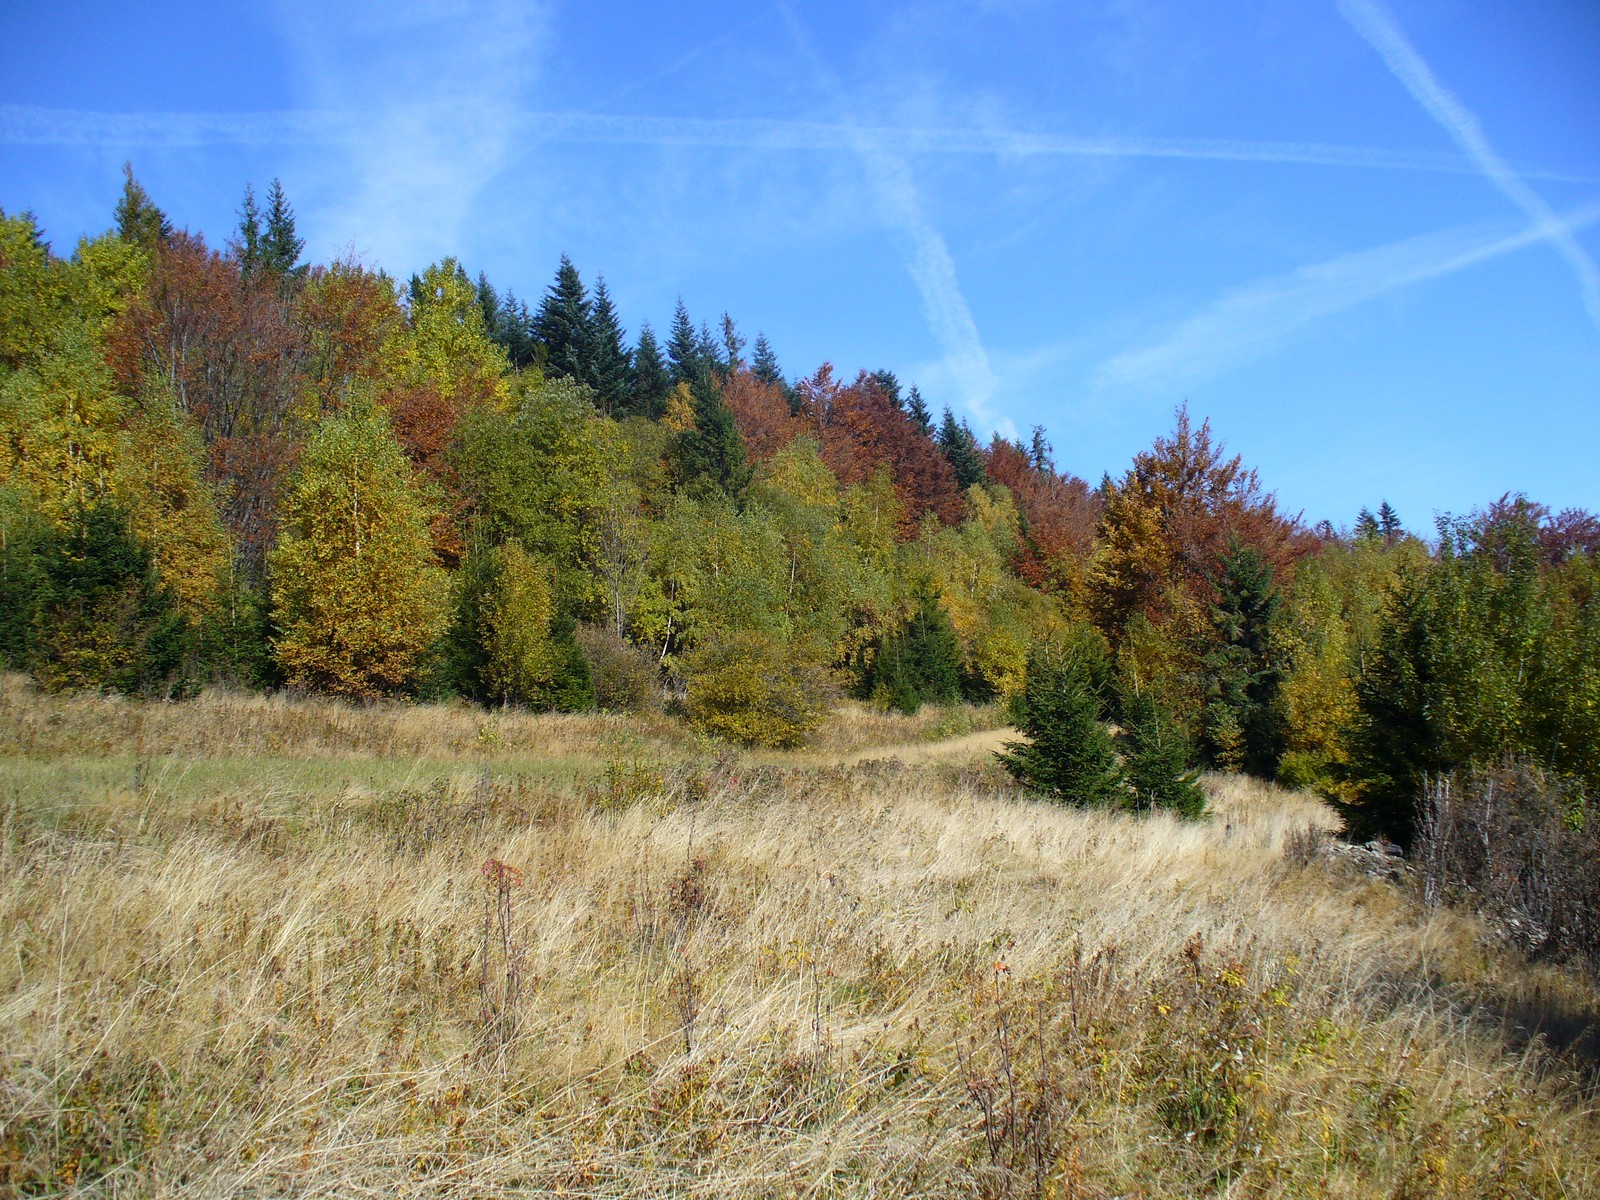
<point>356,597</point>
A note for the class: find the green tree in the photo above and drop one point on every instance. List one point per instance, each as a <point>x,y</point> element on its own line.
<point>356,597</point>
<point>683,346</point>
<point>1068,755</point>
<point>708,458</point>
<point>139,221</point>
<point>1241,719</point>
<point>917,664</point>
<point>652,382</point>
<point>961,449</point>
<point>249,241</point>
<point>917,410</point>
<point>281,246</point>
<point>610,372</point>
<point>564,324</point>
<point>1159,758</point>
<point>101,618</point>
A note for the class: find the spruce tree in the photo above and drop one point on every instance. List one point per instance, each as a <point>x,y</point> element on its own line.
<point>1366,525</point>
<point>708,459</point>
<point>1159,761</point>
<point>652,382</point>
<point>1389,523</point>
<point>917,410</point>
<point>138,219</point>
<point>918,664</point>
<point>961,451</point>
<point>280,244</point>
<point>249,233</point>
<point>683,345</point>
<point>732,346</point>
<point>1041,452</point>
<point>889,385</point>
<point>610,372</point>
<point>764,363</point>
<point>1068,755</point>
<point>1243,725</point>
<point>564,325</point>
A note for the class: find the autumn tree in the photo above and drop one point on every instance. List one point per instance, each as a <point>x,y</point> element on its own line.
<point>356,597</point>
<point>1169,520</point>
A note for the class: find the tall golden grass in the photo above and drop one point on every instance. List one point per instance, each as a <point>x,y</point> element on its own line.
<point>695,974</point>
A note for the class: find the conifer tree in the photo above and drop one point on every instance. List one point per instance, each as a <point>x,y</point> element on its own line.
<point>708,458</point>
<point>917,410</point>
<point>564,325</point>
<point>281,246</point>
<point>961,450</point>
<point>1366,525</point>
<point>249,233</point>
<point>1389,523</point>
<point>138,219</point>
<point>709,350</point>
<point>652,382</point>
<point>1068,755</point>
<point>610,372</point>
<point>1040,452</point>
<point>889,385</point>
<point>918,664</point>
<point>764,363</point>
<point>683,345</point>
<point>732,346</point>
<point>1159,761</point>
<point>1243,726</point>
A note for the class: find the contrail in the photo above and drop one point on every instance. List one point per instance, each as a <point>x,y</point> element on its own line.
<point>1248,318</point>
<point>22,125</point>
<point>1377,25</point>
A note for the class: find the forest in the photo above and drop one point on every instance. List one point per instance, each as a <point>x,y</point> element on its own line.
<point>450,748</point>
<point>234,467</point>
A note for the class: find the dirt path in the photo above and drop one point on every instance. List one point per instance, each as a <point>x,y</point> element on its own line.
<point>971,745</point>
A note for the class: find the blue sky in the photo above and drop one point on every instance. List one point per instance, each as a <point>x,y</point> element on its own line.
<point>1359,235</point>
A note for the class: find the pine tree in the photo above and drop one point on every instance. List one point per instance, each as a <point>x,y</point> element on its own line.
<point>917,410</point>
<point>961,451</point>
<point>610,372</point>
<point>138,219</point>
<point>565,325</point>
<point>280,245</point>
<point>1366,525</point>
<point>652,382</point>
<point>1243,726</point>
<point>249,233</point>
<point>1068,755</point>
<point>1159,761</point>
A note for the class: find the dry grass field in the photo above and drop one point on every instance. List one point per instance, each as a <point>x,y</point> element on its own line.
<point>259,947</point>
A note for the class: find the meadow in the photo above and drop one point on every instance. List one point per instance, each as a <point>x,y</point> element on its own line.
<point>263,946</point>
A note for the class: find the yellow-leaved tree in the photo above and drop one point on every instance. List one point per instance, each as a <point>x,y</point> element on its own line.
<point>355,592</point>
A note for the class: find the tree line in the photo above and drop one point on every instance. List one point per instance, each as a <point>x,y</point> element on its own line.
<point>233,466</point>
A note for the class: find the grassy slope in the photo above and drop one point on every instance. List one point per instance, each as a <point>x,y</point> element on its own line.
<point>245,949</point>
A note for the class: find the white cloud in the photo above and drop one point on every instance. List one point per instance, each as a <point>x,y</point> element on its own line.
<point>423,101</point>
<point>1378,26</point>
<point>1247,320</point>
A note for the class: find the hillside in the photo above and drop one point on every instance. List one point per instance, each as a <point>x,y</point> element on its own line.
<point>253,946</point>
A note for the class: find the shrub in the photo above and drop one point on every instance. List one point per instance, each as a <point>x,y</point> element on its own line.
<point>745,687</point>
<point>1520,845</point>
<point>625,676</point>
